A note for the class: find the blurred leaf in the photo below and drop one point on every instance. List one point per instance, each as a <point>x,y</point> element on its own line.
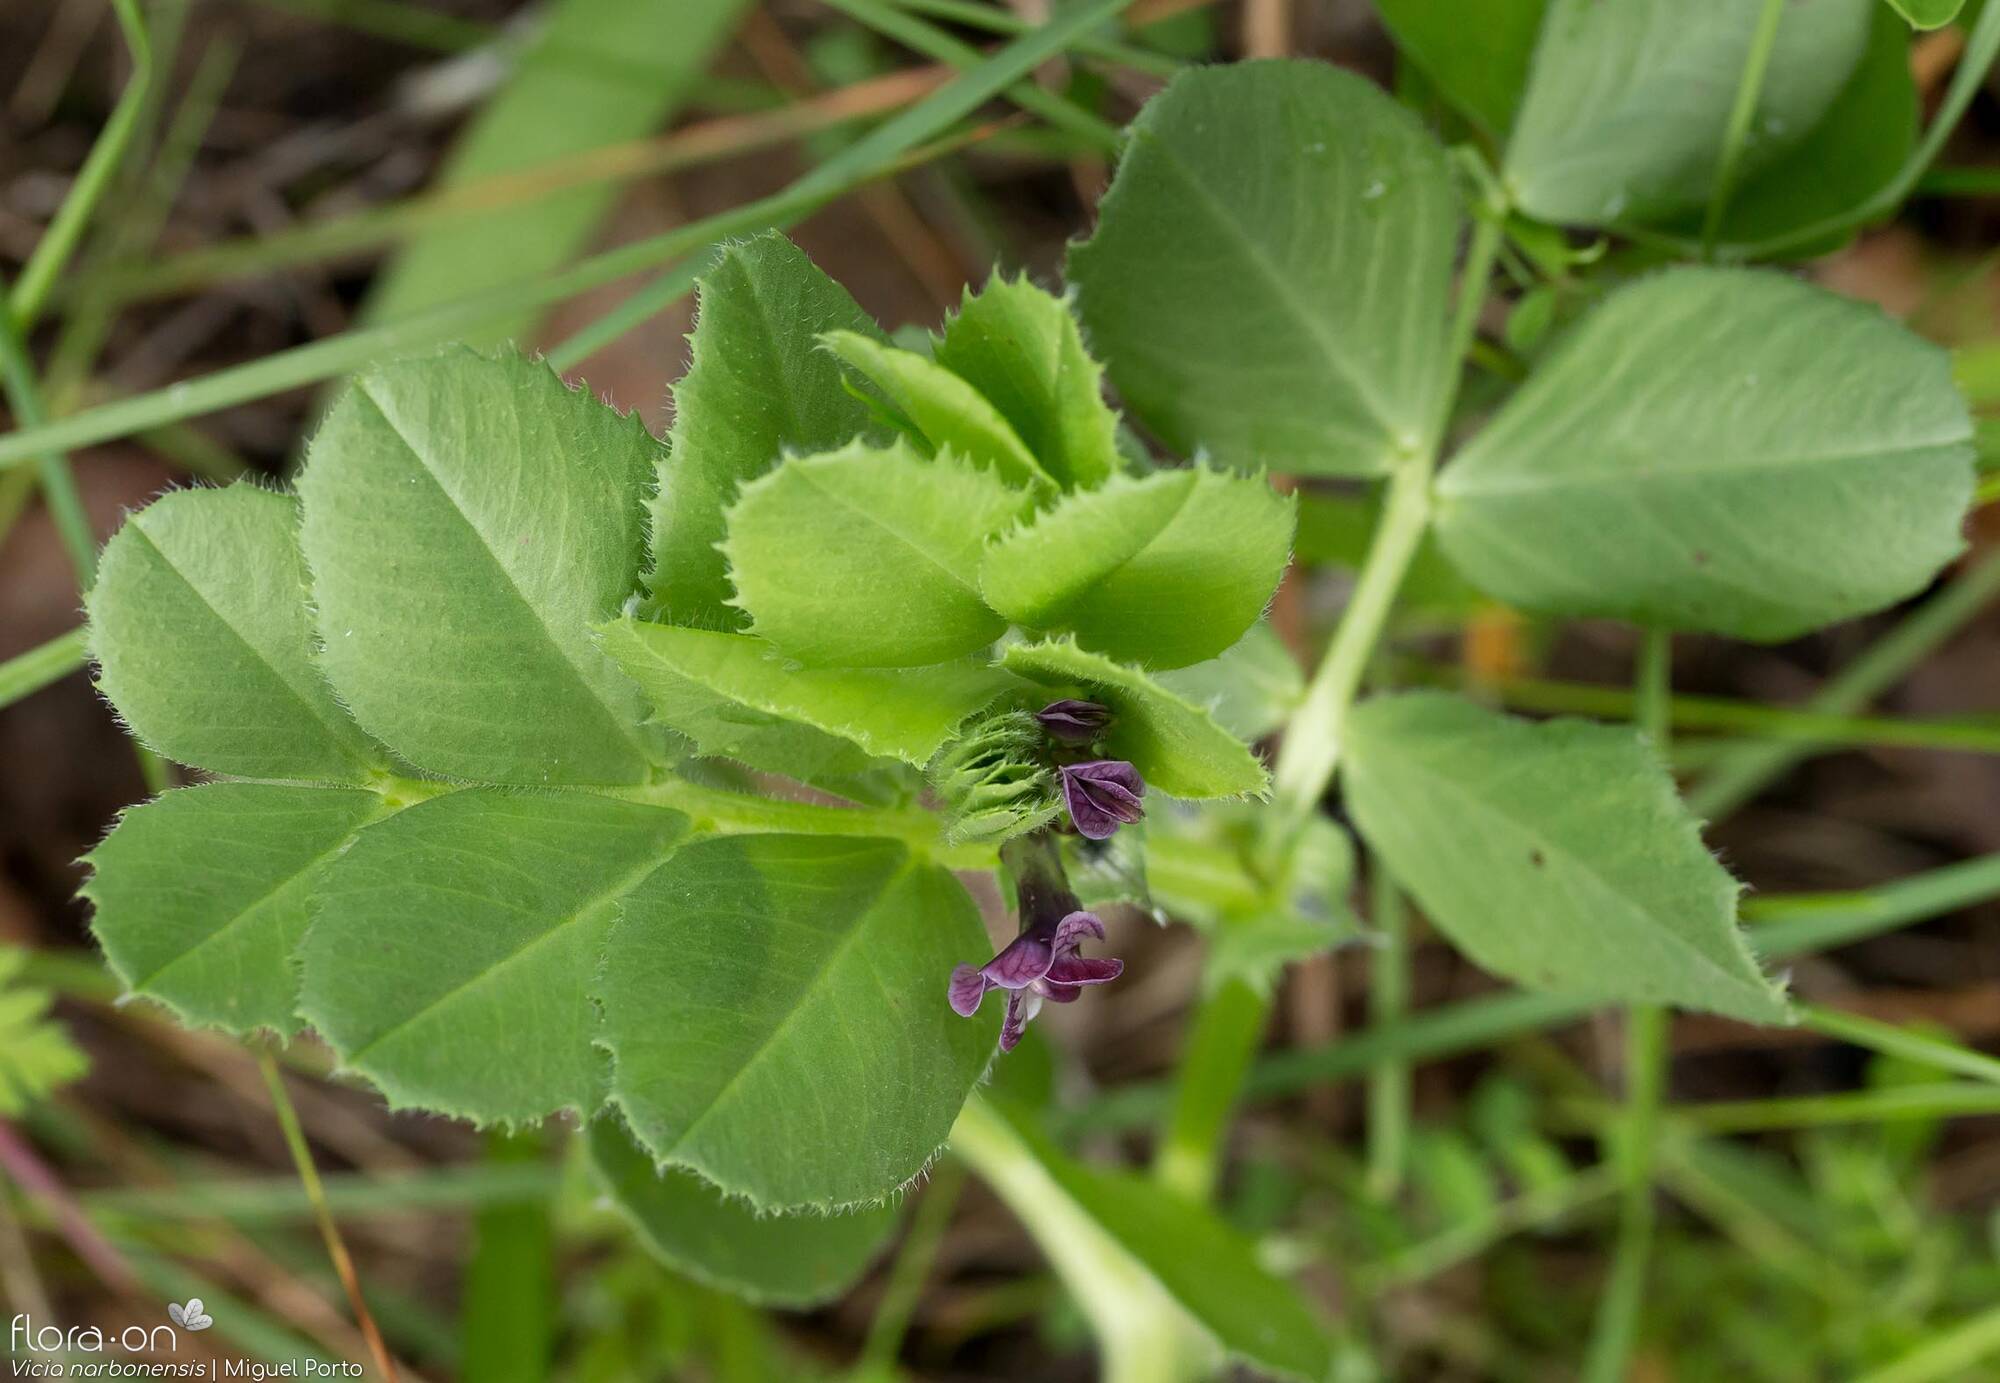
<point>1928,14</point>
<point>1476,51</point>
<point>1178,748</point>
<point>1165,570</point>
<point>1858,148</point>
<point>36,1055</point>
<point>1270,270</point>
<point>202,895</point>
<point>869,556</point>
<point>734,696</point>
<point>780,1260</point>
<point>1020,348</point>
<point>809,973</point>
<point>598,72</point>
<point>1204,1265</point>
<point>946,410</point>
<point>204,643</point>
<point>1721,450</point>
<point>467,519</point>
<point>1555,853</point>
<point>759,386</point>
<point>1251,688</point>
<point>1627,104</point>
<point>453,947</point>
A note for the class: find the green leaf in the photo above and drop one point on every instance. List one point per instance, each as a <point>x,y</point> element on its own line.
<point>945,409</point>
<point>1857,148</point>
<point>36,1054</point>
<point>808,974</point>
<point>1166,570</point>
<point>1477,52</point>
<point>466,520</point>
<point>1020,348</point>
<point>869,556</point>
<point>1203,1264</point>
<point>1556,854</point>
<point>203,642</point>
<point>733,696</point>
<point>453,947</point>
<point>759,387</point>
<point>201,896</point>
<point>777,1260</point>
<point>1928,14</point>
<point>1177,747</point>
<point>1628,104</point>
<point>1270,271</point>
<point>1721,450</point>
<point>1251,688</point>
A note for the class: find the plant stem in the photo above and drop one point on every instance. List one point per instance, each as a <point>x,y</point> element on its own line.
<point>1388,1002</point>
<point>59,492</point>
<point>891,1323</point>
<point>336,1247</point>
<point>1227,1032</point>
<point>1310,754</point>
<point>1891,1040</point>
<point>26,673</point>
<point>1617,1323</point>
<point>1736,779</point>
<point>1749,88</point>
<point>1646,1056</point>
<point>1143,1332</point>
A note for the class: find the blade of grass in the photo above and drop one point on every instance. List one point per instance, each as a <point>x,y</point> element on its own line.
<point>1951,1355</point>
<point>507,1321</point>
<point>933,42</point>
<point>690,147</point>
<point>995,20</point>
<point>282,1200</point>
<point>1738,778</point>
<point>60,240</point>
<point>547,112</point>
<point>52,469</point>
<point>1918,1047</point>
<point>336,1246</point>
<point>1945,1100</point>
<point>881,153</point>
<point>26,673</point>
<point>1388,1003</point>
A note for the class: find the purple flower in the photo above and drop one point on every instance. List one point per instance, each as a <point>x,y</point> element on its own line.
<point>1102,795</point>
<point>1070,721</point>
<point>1036,965</point>
<point>1043,962</point>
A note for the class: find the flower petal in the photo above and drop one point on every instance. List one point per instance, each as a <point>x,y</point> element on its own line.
<point>1075,970</point>
<point>1021,1006</point>
<point>1025,960</point>
<point>968,987</point>
<point>1102,796</point>
<point>1058,993</point>
<point>1071,931</point>
<point>1070,721</point>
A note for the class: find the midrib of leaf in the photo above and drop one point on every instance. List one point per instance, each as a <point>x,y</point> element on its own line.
<point>1180,504</point>
<point>1287,303</point>
<point>243,914</point>
<point>827,966</point>
<point>906,539</point>
<point>620,726</point>
<point>344,733</point>
<point>622,885</point>
<point>1622,904</point>
<point>1519,483</point>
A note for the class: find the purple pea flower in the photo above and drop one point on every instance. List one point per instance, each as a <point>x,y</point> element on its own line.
<point>1102,795</point>
<point>1043,962</point>
<point>1070,721</point>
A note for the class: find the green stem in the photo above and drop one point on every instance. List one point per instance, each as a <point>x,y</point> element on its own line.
<point>1749,88</point>
<point>1388,1003</point>
<point>336,1246</point>
<point>59,492</point>
<point>26,673</point>
<point>1735,780</point>
<point>1646,1056</point>
<point>59,241</point>
<point>1144,1334</point>
<point>1617,1324</point>
<point>1228,1030</point>
<point>1887,1038</point>
<point>1310,754</point>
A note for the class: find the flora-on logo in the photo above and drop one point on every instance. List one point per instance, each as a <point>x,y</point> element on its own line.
<point>190,1316</point>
